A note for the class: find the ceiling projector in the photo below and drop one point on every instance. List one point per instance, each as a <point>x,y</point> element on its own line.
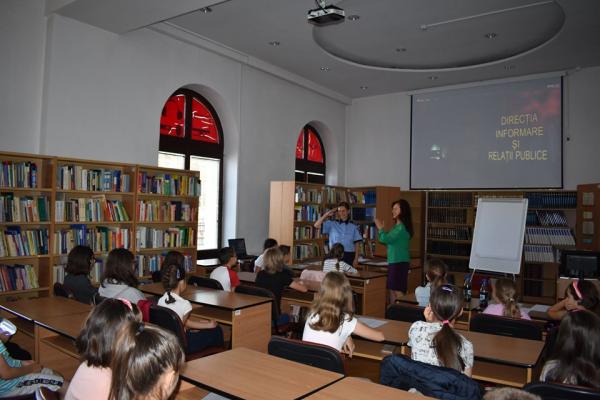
<point>324,14</point>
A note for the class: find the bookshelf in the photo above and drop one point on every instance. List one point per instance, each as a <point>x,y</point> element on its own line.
<point>550,223</point>
<point>588,217</point>
<point>50,204</point>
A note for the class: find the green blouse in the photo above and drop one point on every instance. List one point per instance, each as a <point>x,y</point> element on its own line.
<point>397,240</point>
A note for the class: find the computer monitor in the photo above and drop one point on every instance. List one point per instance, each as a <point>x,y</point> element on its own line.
<point>580,264</point>
<point>239,246</point>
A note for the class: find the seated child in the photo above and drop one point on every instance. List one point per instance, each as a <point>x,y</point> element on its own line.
<point>79,263</point>
<point>92,379</point>
<point>334,262</point>
<point>200,333</point>
<point>118,279</point>
<point>225,274</point>
<point>436,276</point>
<point>505,301</point>
<point>579,295</point>
<point>259,262</point>
<point>331,320</point>
<point>435,341</point>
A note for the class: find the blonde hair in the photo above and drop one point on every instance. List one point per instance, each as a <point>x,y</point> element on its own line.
<point>505,291</point>
<point>333,303</point>
<point>273,260</point>
<point>436,273</point>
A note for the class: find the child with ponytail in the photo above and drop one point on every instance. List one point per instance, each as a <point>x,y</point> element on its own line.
<point>436,276</point>
<point>435,341</point>
<point>334,262</point>
<point>200,333</point>
<point>579,295</point>
<point>505,301</point>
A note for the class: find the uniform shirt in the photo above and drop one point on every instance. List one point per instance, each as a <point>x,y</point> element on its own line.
<point>181,306</point>
<point>397,240</point>
<point>335,339</point>
<point>89,383</point>
<point>344,232</point>
<point>420,340</point>
<point>422,294</point>
<point>226,276</point>
<point>498,309</point>
<point>330,265</point>
<point>275,282</point>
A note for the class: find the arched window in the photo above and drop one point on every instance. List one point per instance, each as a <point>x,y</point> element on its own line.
<point>310,156</point>
<point>191,138</point>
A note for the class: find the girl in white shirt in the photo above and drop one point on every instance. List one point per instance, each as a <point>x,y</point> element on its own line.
<point>333,261</point>
<point>200,333</point>
<point>331,320</point>
<point>436,276</point>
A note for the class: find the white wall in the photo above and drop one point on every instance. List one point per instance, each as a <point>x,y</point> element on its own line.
<point>22,33</point>
<point>378,130</point>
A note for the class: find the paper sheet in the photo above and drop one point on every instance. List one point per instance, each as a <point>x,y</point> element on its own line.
<point>540,308</point>
<point>372,323</point>
<point>214,396</point>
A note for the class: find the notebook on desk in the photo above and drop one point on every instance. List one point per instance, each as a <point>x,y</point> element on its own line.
<point>239,246</point>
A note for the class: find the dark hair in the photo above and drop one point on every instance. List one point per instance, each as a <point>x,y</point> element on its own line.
<point>79,260</point>
<point>577,350</point>
<point>336,252</point>
<point>172,271</point>
<point>446,304</point>
<point>405,215</point>
<point>95,341</point>
<point>344,204</point>
<point>225,254</point>
<point>285,250</point>
<point>589,299</point>
<point>270,242</point>
<point>119,268</point>
<point>142,354</point>
<point>437,272</point>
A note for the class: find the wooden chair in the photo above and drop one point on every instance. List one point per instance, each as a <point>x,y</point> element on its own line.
<point>404,312</point>
<point>503,326</point>
<point>62,291</point>
<point>280,329</point>
<point>556,391</point>
<point>200,281</point>
<point>313,354</point>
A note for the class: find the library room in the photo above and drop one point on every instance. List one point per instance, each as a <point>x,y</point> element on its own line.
<point>328,199</point>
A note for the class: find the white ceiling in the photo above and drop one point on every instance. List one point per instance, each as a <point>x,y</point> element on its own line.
<point>532,36</point>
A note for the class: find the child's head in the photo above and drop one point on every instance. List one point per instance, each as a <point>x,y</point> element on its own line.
<point>273,260</point>
<point>80,260</point>
<point>285,251</point>
<point>436,272</point>
<point>146,363</point>
<point>95,341</point>
<point>582,294</point>
<point>173,275</point>
<point>577,350</point>
<point>505,293</point>
<point>446,303</point>
<point>227,256</point>
<point>333,301</point>
<point>336,251</point>
<point>119,267</point>
<point>506,393</point>
<point>268,243</point>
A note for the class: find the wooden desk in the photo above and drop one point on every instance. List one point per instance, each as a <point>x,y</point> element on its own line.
<point>248,316</point>
<point>379,264</point>
<point>361,389</point>
<point>249,374</point>
<point>43,307</point>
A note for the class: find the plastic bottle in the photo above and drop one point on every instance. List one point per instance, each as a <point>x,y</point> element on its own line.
<point>483,294</point>
<point>467,289</point>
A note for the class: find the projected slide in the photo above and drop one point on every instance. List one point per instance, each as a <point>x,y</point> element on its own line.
<point>505,135</point>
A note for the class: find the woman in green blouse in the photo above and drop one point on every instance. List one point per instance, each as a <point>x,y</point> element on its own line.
<point>397,240</point>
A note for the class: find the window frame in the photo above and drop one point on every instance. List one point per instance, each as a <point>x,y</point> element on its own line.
<point>306,166</point>
<point>189,147</point>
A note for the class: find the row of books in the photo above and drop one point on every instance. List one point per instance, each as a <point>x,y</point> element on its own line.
<point>363,214</point>
<point>538,253</point>
<point>306,232</point>
<point>307,213</point>
<point>451,233</point>
<point>17,277</point>
<point>367,249</point>
<point>23,209</point>
<point>148,238</point>
<point>552,199</point>
<point>168,184</point>
<point>16,242</point>
<point>90,209</point>
<point>449,249</point>
<point>303,251</point>
<point>447,216</point>
<point>551,236</point>
<point>19,174</point>
<point>368,231</point>
<point>308,195</point>
<point>100,239</point>
<point>58,272</point>
<point>364,197</point>
<point>450,199</point>
<point>335,196</point>
<point>165,211</point>
<point>76,177</point>
<point>146,264</point>
<point>547,218</point>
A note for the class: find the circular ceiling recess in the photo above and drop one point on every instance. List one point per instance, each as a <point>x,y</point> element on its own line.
<point>438,34</point>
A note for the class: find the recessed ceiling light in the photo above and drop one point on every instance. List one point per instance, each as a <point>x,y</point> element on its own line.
<point>353,17</point>
<point>206,10</point>
<point>432,77</point>
<point>491,35</point>
<point>325,69</point>
<point>274,43</point>
<point>364,87</point>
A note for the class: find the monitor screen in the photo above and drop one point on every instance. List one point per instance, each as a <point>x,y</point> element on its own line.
<point>580,264</point>
<point>239,246</point>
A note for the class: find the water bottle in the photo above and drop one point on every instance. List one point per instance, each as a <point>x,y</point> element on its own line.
<point>483,294</point>
<point>467,290</point>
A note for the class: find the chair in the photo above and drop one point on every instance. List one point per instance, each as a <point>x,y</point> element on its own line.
<point>556,391</point>
<point>200,281</point>
<point>45,394</point>
<point>312,354</point>
<point>169,320</point>
<point>275,313</point>
<point>404,312</point>
<point>98,299</point>
<point>503,326</point>
<point>62,291</point>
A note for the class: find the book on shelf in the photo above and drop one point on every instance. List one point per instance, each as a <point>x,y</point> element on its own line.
<point>149,238</point>
<point>303,194</point>
<point>538,253</point>
<point>307,213</point>
<point>17,277</point>
<point>449,233</point>
<point>76,177</point>
<point>551,199</point>
<point>450,199</point>
<point>100,239</point>
<point>335,195</point>
<point>303,251</point>
<point>447,216</point>
<point>58,272</point>
<point>169,184</point>
<point>549,236</point>
<point>306,233</point>
<point>23,209</point>
<point>90,209</point>
<point>363,214</point>
<point>164,211</point>
<point>15,242</point>
<point>146,264</point>
<point>23,174</point>
<point>363,197</point>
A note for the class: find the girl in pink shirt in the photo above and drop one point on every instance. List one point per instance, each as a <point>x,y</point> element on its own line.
<point>505,298</point>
